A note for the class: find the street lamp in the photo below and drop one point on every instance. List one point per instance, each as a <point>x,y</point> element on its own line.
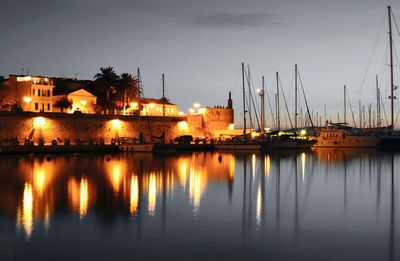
<point>196,106</point>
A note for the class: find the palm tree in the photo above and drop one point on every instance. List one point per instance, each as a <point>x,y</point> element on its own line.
<point>107,80</point>
<point>128,86</point>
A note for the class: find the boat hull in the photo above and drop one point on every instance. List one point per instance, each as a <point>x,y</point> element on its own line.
<point>136,148</point>
<point>238,146</point>
<point>348,142</point>
<point>288,144</point>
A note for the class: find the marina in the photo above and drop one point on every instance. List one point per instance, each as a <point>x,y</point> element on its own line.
<point>211,130</point>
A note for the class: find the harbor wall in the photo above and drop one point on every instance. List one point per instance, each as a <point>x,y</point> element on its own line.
<point>49,126</point>
<point>210,121</point>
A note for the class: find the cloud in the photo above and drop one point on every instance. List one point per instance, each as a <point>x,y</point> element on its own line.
<point>231,20</point>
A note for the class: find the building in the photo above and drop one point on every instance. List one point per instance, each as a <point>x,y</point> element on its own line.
<point>153,107</point>
<point>29,93</point>
<point>82,100</point>
<point>211,122</point>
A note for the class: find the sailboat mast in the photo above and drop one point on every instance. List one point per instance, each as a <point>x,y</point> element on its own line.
<point>244,102</point>
<point>262,106</point>
<point>378,104</point>
<point>163,105</point>
<point>138,104</point>
<point>344,104</point>
<point>295,97</point>
<point>391,68</point>
<point>278,120</point>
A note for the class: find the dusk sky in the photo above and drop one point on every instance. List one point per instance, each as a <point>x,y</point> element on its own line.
<point>199,45</point>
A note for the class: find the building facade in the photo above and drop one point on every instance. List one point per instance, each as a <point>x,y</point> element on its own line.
<point>32,93</point>
<point>81,99</point>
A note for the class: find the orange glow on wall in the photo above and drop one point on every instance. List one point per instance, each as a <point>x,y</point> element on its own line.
<point>39,122</point>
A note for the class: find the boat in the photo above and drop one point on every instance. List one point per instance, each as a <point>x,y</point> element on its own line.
<point>240,142</point>
<point>139,147</point>
<point>284,142</point>
<point>339,135</point>
<point>289,140</point>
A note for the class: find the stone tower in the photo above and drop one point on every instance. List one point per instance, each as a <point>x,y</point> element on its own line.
<point>230,104</point>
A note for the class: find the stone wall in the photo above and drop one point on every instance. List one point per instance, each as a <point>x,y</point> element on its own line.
<point>210,120</point>
<point>83,126</point>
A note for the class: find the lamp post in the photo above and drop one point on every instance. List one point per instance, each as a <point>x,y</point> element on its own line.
<point>196,106</point>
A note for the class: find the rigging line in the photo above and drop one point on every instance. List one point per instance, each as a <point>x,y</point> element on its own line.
<point>396,118</point>
<point>395,23</point>
<point>305,101</point>
<point>252,101</point>
<point>384,112</point>
<point>145,109</point>
<point>270,107</point>
<point>373,53</point>
<point>351,109</point>
<point>255,104</point>
<point>248,105</point>
<point>286,105</point>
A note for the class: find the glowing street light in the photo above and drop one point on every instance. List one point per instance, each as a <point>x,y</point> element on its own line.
<point>39,122</point>
<point>27,99</point>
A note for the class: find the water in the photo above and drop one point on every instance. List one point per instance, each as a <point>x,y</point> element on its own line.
<point>328,204</point>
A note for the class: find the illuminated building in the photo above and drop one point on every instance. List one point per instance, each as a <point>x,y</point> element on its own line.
<point>32,93</point>
<point>152,107</point>
<point>82,100</point>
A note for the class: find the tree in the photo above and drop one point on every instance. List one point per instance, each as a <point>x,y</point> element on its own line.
<point>63,103</point>
<point>128,88</point>
<point>107,80</point>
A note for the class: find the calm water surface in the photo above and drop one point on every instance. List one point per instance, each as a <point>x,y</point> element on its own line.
<point>326,204</point>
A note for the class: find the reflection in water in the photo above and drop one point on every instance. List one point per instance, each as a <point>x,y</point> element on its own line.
<point>244,202</point>
<point>26,220</point>
<point>267,165</point>
<point>78,194</point>
<point>152,194</point>
<point>303,165</point>
<point>195,189</point>
<point>258,207</point>
<point>134,197</point>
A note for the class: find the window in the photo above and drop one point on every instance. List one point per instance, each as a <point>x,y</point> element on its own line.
<point>38,93</point>
<point>33,92</point>
<point>48,107</point>
<point>48,93</point>
<point>42,107</point>
<point>36,106</point>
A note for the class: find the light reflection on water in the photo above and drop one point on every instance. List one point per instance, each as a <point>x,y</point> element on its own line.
<point>323,204</point>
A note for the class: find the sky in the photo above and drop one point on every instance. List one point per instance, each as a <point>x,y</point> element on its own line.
<point>200,45</point>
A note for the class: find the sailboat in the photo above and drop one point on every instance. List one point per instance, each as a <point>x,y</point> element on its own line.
<point>340,135</point>
<point>241,142</point>
<point>392,140</point>
<point>141,145</point>
<point>287,141</point>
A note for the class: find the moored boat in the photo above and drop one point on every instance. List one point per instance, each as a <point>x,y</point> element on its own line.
<point>341,136</point>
